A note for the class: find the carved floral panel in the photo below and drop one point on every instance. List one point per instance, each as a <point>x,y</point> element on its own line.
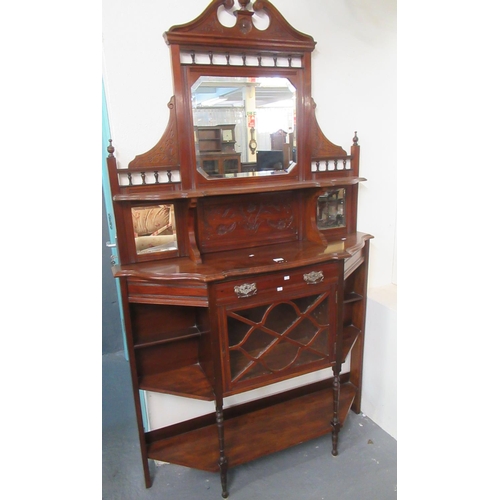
<point>248,221</point>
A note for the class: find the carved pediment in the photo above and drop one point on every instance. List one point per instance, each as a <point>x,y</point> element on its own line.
<point>208,31</point>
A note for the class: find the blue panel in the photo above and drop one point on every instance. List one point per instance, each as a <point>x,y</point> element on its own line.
<point>106,136</point>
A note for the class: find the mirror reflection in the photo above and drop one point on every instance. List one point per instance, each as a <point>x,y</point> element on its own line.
<point>331,209</point>
<point>244,126</point>
<point>154,228</point>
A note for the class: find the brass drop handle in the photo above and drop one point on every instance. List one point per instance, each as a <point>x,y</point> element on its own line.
<point>314,277</point>
<point>245,290</point>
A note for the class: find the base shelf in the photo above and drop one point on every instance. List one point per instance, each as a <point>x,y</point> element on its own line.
<point>295,417</point>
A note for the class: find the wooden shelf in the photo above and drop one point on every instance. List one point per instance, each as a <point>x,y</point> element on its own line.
<point>267,430</point>
<point>189,381</point>
<point>350,335</point>
<point>352,297</point>
<point>246,185</point>
<point>162,338</point>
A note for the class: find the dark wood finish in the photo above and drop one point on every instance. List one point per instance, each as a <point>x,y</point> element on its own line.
<point>247,220</point>
<point>166,152</point>
<point>267,430</point>
<point>358,319</point>
<point>188,381</point>
<point>255,292</point>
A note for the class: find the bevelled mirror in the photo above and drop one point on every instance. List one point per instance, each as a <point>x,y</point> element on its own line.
<point>331,209</point>
<point>154,229</point>
<point>244,125</point>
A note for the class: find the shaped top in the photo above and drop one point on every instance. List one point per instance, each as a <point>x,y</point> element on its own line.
<point>207,30</point>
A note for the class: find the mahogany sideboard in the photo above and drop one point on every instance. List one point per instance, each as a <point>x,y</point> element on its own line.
<point>235,280</point>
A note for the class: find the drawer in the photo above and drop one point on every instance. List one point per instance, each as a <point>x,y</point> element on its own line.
<point>278,282</point>
<point>174,292</point>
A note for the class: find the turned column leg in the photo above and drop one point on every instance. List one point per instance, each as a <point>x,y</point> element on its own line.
<point>336,418</point>
<point>222,457</point>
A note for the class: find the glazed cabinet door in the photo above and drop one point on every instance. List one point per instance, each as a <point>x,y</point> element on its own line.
<point>277,326</point>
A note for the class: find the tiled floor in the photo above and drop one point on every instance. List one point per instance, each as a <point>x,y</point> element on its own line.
<point>365,468</point>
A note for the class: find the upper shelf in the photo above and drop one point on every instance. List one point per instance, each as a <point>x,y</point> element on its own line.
<point>152,193</point>
<point>245,262</point>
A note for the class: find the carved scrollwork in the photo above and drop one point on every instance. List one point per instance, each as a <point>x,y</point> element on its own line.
<point>166,151</point>
<point>245,290</point>
<point>314,277</point>
<point>321,146</point>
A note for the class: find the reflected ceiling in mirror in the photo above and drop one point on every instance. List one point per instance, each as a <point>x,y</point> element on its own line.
<point>244,126</point>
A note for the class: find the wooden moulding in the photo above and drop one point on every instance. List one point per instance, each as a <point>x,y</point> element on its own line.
<point>270,426</point>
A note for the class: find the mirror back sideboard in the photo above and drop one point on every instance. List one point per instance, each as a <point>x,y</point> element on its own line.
<point>240,261</point>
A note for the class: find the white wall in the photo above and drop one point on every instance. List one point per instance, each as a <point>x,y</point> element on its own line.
<point>379,400</point>
<point>354,86</point>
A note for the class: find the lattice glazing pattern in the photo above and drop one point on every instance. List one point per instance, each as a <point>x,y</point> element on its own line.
<point>275,337</point>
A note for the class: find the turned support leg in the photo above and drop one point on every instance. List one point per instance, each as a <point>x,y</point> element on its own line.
<point>222,457</point>
<point>336,420</point>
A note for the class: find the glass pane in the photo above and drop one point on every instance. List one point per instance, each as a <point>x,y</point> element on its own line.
<point>331,209</point>
<point>244,126</point>
<point>270,338</point>
<point>154,228</point>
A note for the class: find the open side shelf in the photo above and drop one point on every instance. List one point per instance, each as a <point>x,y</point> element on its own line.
<point>352,297</point>
<point>188,381</point>
<point>351,333</point>
<point>160,338</point>
<point>270,425</point>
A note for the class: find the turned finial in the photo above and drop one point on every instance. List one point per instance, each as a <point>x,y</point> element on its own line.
<point>355,139</point>
<point>244,16</point>
<point>110,149</point>
<point>244,3</point>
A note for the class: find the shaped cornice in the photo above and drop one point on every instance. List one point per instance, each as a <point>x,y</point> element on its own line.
<point>206,30</point>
